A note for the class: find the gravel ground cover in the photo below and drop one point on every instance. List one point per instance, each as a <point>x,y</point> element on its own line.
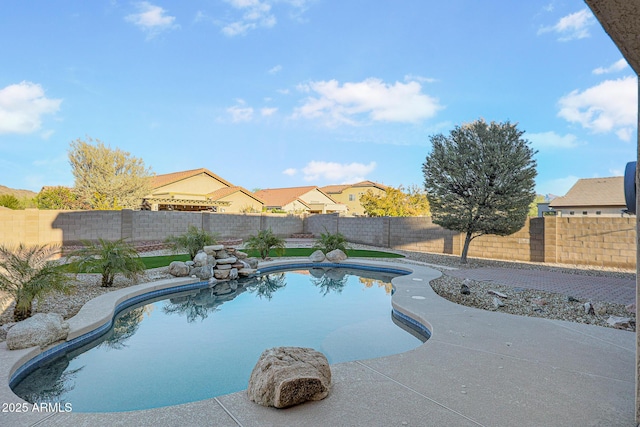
<point>519,301</point>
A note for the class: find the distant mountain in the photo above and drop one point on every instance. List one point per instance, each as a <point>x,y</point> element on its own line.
<point>18,193</point>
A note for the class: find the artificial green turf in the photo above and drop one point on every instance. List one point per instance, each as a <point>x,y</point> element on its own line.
<point>165,260</point>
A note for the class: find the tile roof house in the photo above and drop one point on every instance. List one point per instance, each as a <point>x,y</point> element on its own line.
<point>198,190</point>
<point>349,194</point>
<point>308,199</point>
<point>592,197</point>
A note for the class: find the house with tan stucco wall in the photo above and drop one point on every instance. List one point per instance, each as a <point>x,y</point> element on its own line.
<point>349,194</point>
<point>309,199</point>
<point>592,197</point>
<point>199,190</point>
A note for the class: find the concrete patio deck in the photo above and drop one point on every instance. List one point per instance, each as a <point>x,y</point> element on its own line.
<point>479,368</point>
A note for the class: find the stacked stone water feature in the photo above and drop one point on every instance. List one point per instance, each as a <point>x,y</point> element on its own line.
<point>216,262</point>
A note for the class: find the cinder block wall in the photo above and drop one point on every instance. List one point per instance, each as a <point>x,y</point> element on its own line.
<point>602,241</point>
<point>371,231</point>
<point>33,226</point>
<point>422,235</point>
<point>150,225</point>
<point>596,241</point>
<point>605,241</point>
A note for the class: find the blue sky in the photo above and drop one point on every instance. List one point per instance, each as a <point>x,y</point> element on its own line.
<point>280,93</point>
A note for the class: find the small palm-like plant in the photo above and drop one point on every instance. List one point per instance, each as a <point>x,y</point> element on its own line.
<point>193,241</point>
<point>330,241</point>
<point>108,257</point>
<point>26,273</point>
<point>264,241</point>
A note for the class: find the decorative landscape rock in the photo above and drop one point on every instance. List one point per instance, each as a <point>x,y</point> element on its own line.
<point>41,329</point>
<point>619,322</point>
<point>464,289</point>
<point>253,262</point>
<point>215,263</point>
<point>287,376</point>
<point>246,272</point>
<point>336,255</point>
<point>588,308</point>
<point>200,259</point>
<point>221,274</point>
<point>178,269</point>
<point>317,256</point>
<point>497,302</point>
<point>496,293</point>
<point>212,249</point>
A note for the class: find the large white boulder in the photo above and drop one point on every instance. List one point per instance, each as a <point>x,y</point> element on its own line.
<point>287,376</point>
<point>41,329</point>
<point>200,260</point>
<point>317,256</point>
<point>336,255</point>
<point>178,269</point>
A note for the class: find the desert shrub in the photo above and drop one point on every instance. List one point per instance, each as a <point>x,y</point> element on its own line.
<point>264,241</point>
<point>26,273</point>
<point>193,241</point>
<point>108,258</point>
<point>328,242</point>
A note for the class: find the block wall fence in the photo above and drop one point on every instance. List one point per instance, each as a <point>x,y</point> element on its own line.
<point>606,241</point>
<point>602,241</point>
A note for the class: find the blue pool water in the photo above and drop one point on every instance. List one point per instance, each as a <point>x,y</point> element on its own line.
<point>200,344</point>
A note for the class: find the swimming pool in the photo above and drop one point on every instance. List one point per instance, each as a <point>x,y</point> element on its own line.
<point>203,343</point>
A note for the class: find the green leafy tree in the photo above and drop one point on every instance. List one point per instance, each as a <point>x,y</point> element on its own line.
<point>10,201</point>
<point>60,197</point>
<point>264,241</point>
<point>328,242</point>
<point>533,208</point>
<point>108,258</point>
<point>193,241</point>
<point>480,180</point>
<point>396,202</point>
<point>26,274</point>
<point>107,178</point>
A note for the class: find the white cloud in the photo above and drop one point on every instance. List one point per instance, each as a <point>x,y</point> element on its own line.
<point>619,65</point>
<point>609,106</point>
<point>256,13</point>
<point>616,172</point>
<point>275,69</point>
<point>290,171</point>
<point>22,106</point>
<point>240,112</point>
<point>572,27</point>
<point>259,14</point>
<point>552,140</point>
<point>268,111</point>
<point>335,103</point>
<point>421,79</point>
<point>337,172</point>
<point>151,19</point>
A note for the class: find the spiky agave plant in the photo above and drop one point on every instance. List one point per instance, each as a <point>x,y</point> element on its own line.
<point>27,273</point>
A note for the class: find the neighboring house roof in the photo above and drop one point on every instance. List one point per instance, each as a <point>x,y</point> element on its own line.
<point>593,192</point>
<point>227,191</point>
<point>284,196</point>
<point>158,181</point>
<point>336,189</point>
